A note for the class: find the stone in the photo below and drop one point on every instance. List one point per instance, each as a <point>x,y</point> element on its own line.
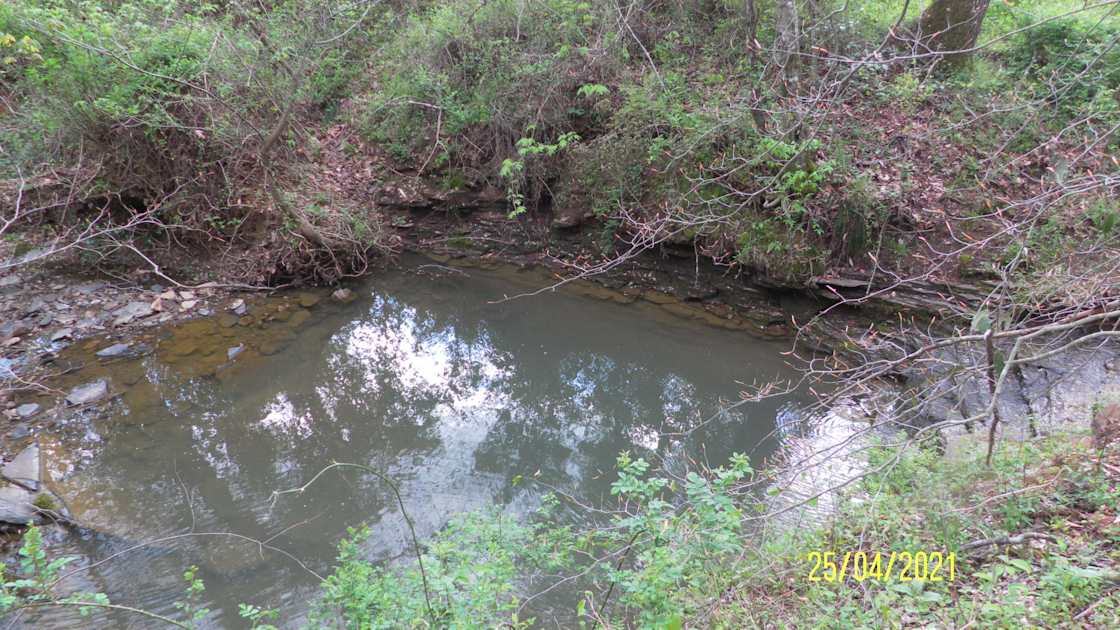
<point>131,311</point>
<point>226,320</point>
<point>237,307</point>
<point>570,217</point>
<point>15,506</point>
<point>269,347</point>
<point>343,295</point>
<point>90,392</point>
<point>45,320</point>
<point>1105,425</point>
<point>64,333</point>
<point>10,282</point>
<point>307,300</point>
<point>24,469</point>
<point>37,305</point>
<point>15,329</point>
<point>27,410</point>
<point>90,287</point>
<point>187,295</point>
<point>114,351</point>
<point>232,353</point>
<point>188,305</point>
<point>168,295</point>
<point>11,341</point>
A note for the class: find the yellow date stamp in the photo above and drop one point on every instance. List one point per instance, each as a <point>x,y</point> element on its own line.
<point>899,566</point>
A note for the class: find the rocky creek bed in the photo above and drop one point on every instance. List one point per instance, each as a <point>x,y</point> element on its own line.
<point>55,322</point>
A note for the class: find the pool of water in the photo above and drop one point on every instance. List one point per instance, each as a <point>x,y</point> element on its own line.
<point>427,375</point>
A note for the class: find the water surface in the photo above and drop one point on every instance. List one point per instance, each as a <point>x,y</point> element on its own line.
<point>422,376</point>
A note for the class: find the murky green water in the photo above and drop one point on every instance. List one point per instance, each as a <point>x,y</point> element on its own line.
<point>420,376</point>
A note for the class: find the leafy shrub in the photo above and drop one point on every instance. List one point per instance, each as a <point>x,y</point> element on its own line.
<point>1073,64</point>
<point>481,74</point>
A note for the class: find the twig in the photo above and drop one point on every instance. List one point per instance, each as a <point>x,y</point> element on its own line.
<point>404,512</point>
<point>1017,539</point>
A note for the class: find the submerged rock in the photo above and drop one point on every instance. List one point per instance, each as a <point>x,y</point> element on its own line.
<point>65,333</point>
<point>113,351</point>
<point>343,295</point>
<point>307,300</point>
<point>232,353</point>
<point>27,410</point>
<point>90,392</point>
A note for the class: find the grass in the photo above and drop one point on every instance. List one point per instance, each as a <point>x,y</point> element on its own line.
<point>1066,577</point>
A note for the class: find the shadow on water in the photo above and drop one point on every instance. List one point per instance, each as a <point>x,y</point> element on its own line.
<point>423,377</point>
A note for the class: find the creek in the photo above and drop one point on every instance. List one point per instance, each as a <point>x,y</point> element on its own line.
<point>427,375</point>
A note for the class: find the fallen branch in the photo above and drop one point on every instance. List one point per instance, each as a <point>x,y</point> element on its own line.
<point>1017,539</point>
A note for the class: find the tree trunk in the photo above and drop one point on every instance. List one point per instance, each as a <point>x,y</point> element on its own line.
<point>951,27</point>
<point>787,45</point>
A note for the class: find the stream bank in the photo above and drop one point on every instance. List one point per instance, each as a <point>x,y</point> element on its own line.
<point>46,310</point>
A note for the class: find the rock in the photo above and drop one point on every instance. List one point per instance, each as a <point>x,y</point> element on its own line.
<point>19,432</point>
<point>156,288</point>
<point>307,300</point>
<point>65,333</point>
<point>232,353</point>
<point>343,295</point>
<point>188,305</point>
<point>14,329</point>
<point>226,320</point>
<point>27,410</point>
<point>11,341</point>
<point>15,506</point>
<point>24,469</point>
<point>1105,425</point>
<point>168,295</point>
<point>90,392</point>
<point>45,320</point>
<point>269,347</point>
<point>37,305</point>
<point>130,312</point>
<point>570,217</point>
<point>187,295</point>
<point>90,287</point>
<point>237,307</point>
<point>114,351</point>
<point>10,283</point>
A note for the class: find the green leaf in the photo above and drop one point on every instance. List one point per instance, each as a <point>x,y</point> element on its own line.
<point>981,321</point>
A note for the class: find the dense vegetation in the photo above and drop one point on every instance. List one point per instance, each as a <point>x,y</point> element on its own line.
<point>670,122</point>
<point>264,134</point>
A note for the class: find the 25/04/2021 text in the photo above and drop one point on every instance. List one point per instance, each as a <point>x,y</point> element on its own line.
<point>901,566</point>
